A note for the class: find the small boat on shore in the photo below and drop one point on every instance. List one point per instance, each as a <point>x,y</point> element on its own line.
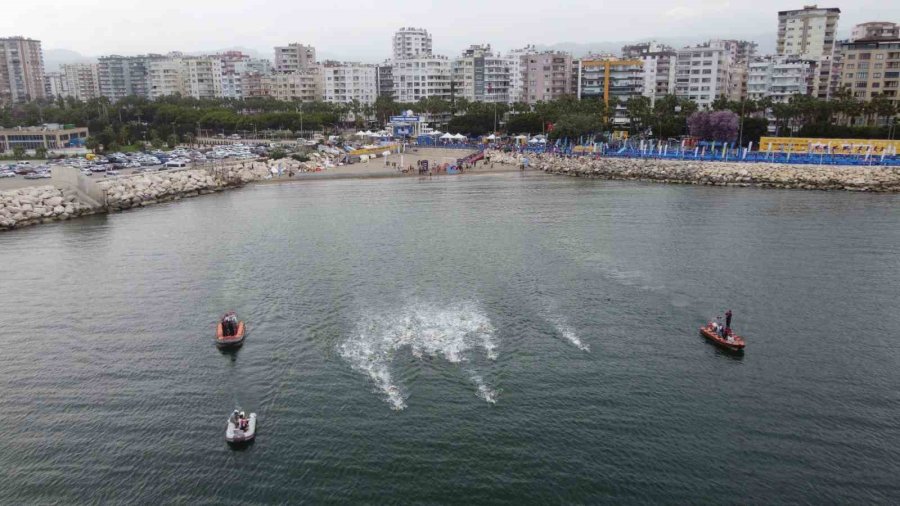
<point>731,342</point>
<point>235,434</point>
<point>230,332</point>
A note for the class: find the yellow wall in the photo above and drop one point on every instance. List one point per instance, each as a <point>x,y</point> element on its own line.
<point>375,151</point>
<point>838,146</point>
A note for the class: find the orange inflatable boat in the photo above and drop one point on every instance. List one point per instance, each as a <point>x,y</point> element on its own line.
<point>733,342</point>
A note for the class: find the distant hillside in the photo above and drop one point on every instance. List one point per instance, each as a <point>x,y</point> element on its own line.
<point>53,58</point>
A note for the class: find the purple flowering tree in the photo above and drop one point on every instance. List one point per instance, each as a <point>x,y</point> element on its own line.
<point>719,126</point>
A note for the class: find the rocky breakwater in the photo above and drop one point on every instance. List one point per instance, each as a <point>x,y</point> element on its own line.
<point>39,204</point>
<point>147,189</point>
<point>765,175</point>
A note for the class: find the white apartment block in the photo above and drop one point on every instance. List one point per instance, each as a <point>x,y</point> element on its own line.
<point>165,78</point>
<point>296,86</point>
<point>779,78</point>
<point>516,72</point>
<point>481,76</point>
<point>412,43</point>
<point>344,83</point>
<point>294,58</point>
<point>658,70</point>
<point>416,78</point>
<point>80,80</point>
<point>875,30</point>
<point>199,78</point>
<point>53,85</point>
<point>702,74</point>
<point>203,77</point>
<point>810,34</point>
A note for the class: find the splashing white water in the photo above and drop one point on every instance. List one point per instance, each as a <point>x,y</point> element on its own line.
<point>449,333</point>
<point>568,333</point>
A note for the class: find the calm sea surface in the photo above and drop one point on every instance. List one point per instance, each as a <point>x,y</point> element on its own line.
<point>498,338</point>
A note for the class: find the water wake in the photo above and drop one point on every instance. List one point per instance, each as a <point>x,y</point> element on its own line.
<point>428,332</point>
<point>568,333</point>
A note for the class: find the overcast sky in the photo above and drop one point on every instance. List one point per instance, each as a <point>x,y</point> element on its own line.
<point>361,30</point>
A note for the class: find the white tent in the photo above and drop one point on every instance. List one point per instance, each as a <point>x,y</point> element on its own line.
<point>447,136</point>
<point>491,137</point>
<point>368,133</point>
<point>521,137</point>
<point>459,137</point>
<point>360,133</point>
<point>436,132</point>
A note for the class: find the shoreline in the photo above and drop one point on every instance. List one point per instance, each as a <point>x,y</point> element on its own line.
<point>875,179</point>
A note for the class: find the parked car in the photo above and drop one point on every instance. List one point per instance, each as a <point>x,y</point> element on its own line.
<point>33,175</point>
<point>112,173</point>
<point>87,172</point>
<point>7,174</point>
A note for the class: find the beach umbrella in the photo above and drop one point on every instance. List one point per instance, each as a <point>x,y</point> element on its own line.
<point>491,137</point>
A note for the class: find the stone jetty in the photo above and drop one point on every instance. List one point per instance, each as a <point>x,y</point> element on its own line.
<point>38,204</point>
<point>764,175</point>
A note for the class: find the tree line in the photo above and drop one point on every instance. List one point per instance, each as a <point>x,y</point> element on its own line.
<point>174,119</point>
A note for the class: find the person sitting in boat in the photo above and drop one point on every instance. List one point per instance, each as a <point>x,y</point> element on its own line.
<point>235,416</point>
<point>244,423</point>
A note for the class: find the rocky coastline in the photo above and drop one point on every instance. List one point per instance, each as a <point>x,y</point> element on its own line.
<point>45,204</point>
<point>763,175</point>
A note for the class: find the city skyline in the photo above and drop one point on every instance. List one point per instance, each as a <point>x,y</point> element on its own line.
<point>208,26</point>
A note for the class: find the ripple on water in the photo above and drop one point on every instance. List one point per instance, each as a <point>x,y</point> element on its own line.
<point>451,333</point>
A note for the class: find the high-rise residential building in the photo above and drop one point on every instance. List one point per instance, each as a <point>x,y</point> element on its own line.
<point>294,58</point>
<point>253,85</point>
<point>53,85</point>
<point>165,77</point>
<point>875,30</point>
<point>233,75</point>
<point>702,73</point>
<point>21,70</point>
<point>514,61</point>
<point>482,76</point>
<point>613,80</point>
<point>428,76</point>
<point>658,70</point>
<point>547,76</point>
<point>810,34</point>
<point>411,43</point>
<point>123,76</point>
<point>385,76</point>
<point>80,80</point>
<point>741,51</point>
<point>779,78</point>
<point>195,77</point>
<point>872,67</point>
<point>302,86</point>
<point>345,82</point>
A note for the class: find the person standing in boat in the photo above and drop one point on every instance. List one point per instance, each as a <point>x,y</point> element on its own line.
<point>728,320</point>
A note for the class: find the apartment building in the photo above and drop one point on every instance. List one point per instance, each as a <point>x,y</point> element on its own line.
<point>810,34</point>
<point>80,80</point>
<point>702,73</point>
<point>613,80</point>
<point>53,85</point>
<point>658,67</point>
<point>514,62</point>
<point>385,77</point>
<point>482,76</point>
<point>196,77</point>
<point>547,76</point>
<point>412,43</point>
<point>345,82</point>
<point>416,78</point>
<point>779,78</point>
<point>294,58</point>
<point>872,67</point>
<point>123,76</point>
<point>875,30</point>
<point>297,86</point>
<point>21,70</point>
